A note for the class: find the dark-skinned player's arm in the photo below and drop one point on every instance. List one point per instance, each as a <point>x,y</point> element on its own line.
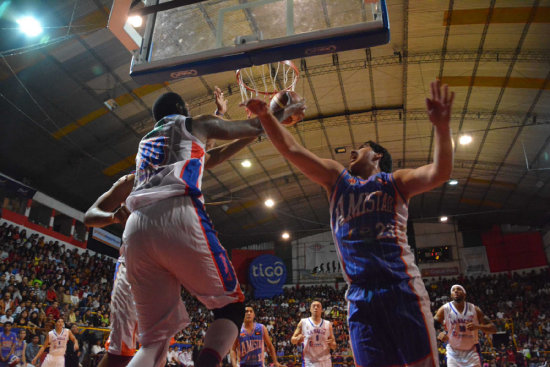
<point>439,318</point>
<point>222,153</point>
<point>109,207</point>
<point>485,325</point>
<point>270,348</point>
<point>325,172</point>
<point>412,182</point>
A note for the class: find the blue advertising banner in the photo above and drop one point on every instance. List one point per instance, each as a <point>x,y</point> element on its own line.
<point>267,273</point>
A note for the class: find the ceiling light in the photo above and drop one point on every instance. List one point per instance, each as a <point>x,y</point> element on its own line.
<point>135,21</point>
<point>465,139</point>
<point>285,236</point>
<point>30,26</point>
<point>269,203</point>
<point>443,219</point>
<point>246,163</point>
<point>453,182</point>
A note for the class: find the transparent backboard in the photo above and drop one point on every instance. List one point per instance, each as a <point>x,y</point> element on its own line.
<point>217,35</point>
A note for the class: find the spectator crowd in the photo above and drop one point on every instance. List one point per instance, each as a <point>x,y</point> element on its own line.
<point>41,281</point>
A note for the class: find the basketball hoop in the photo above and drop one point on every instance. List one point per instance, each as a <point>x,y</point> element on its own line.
<point>267,80</point>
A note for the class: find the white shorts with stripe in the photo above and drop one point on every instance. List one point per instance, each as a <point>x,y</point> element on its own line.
<point>169,244</point>
<point>123,337</point>
<point>464,358</point>
<point>54,361</point>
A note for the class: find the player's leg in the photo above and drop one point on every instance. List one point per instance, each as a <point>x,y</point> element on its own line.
<point>121,344</point>
<point>217,286</point>
<point>157,292</point>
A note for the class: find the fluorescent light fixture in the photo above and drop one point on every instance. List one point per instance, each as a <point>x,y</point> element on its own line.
<point>443,219</point>
<point>30,26</point>
<point>246,163</point>
<point>465,139</point>
<point>269,203</point>
<point>135,21</point>
<point>453,182</point>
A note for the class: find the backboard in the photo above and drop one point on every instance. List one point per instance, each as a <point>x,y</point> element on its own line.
<point>187,38</point>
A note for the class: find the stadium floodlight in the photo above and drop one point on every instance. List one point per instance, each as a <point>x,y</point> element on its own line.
<point>269,203</point>
<point>246,163</point>
<point>285,235</point>
<point>30,26</point>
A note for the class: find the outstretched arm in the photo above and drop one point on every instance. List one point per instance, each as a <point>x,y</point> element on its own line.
<point>108,208</point>
<point>412,182</point>
<point>325,172</point>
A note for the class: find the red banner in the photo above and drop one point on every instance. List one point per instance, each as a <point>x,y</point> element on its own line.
<point>241,260</point>
<point>513,251</point>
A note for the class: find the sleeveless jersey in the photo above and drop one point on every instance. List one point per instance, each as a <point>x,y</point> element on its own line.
<point>58,342</point>
<point>316,347</point>
<point>461,338</point>
<point>369,227</point>
<point>6,342</point>
<point>170,162</point>
<point>251,345</point>
<point>19,345</point>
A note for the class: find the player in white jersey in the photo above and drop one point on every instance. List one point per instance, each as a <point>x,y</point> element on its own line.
<point>317,337</point>
<point>462,320</point>
<point>109,209</point>
<point>170,239</point>
<point>389,318</point>
<point>57,341</point>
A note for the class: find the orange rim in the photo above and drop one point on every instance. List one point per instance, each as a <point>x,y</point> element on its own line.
<point>289,63</point>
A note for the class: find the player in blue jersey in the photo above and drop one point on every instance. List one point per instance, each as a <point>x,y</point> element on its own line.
<point>170,239</point>
<point>7,343</point>
<point>249,347</point>
<point>389,315</point>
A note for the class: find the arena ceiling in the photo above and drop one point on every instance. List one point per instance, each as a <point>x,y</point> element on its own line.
<point>58,136</point>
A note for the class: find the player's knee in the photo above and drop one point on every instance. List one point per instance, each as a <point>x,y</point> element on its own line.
<point>232,311</point>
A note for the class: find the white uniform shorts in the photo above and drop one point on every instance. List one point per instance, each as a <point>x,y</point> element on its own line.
<point>464,358</point>
<point>169,244</point>
<point>53,361</point>
<point>325,363</point>
<point>122,339</point>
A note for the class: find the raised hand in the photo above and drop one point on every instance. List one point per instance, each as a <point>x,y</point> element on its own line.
<point>221,102</point>
<point>294,111</point>
<point>121,214</point>
<point>256,106</point>
<point>439,106</point>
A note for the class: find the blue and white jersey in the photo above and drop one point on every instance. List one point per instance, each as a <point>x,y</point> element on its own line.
<point>170,162</point>
<point>316,348</point>
<point>19,346</point>
<point>6,342</point>
<point>369,227</point>
<point>460,338</point>
<point>251,346</point>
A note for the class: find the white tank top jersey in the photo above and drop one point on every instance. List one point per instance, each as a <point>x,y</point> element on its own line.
<point>316,347</point>
<point>58,342</point>
<point>460,338</point>
<point>169,162</point>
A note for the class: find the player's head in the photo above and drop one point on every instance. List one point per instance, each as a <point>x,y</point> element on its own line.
<point>7,327</point>
<point>249,314</point>
<point>316,309</point>
<point>368,155</point>
<point>169,104</point>
<point>458,293</point>
<point>59,323</point>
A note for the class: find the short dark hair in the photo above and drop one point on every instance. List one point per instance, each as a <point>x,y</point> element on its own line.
<point>166,105</point>
<point>386,161</point>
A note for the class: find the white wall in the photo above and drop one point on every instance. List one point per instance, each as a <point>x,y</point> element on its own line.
<point>437,235</point>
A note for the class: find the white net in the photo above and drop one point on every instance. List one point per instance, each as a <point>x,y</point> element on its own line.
<point>263,81</point>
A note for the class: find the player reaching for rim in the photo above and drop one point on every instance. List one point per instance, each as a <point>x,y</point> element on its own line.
<point>389,318</point>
